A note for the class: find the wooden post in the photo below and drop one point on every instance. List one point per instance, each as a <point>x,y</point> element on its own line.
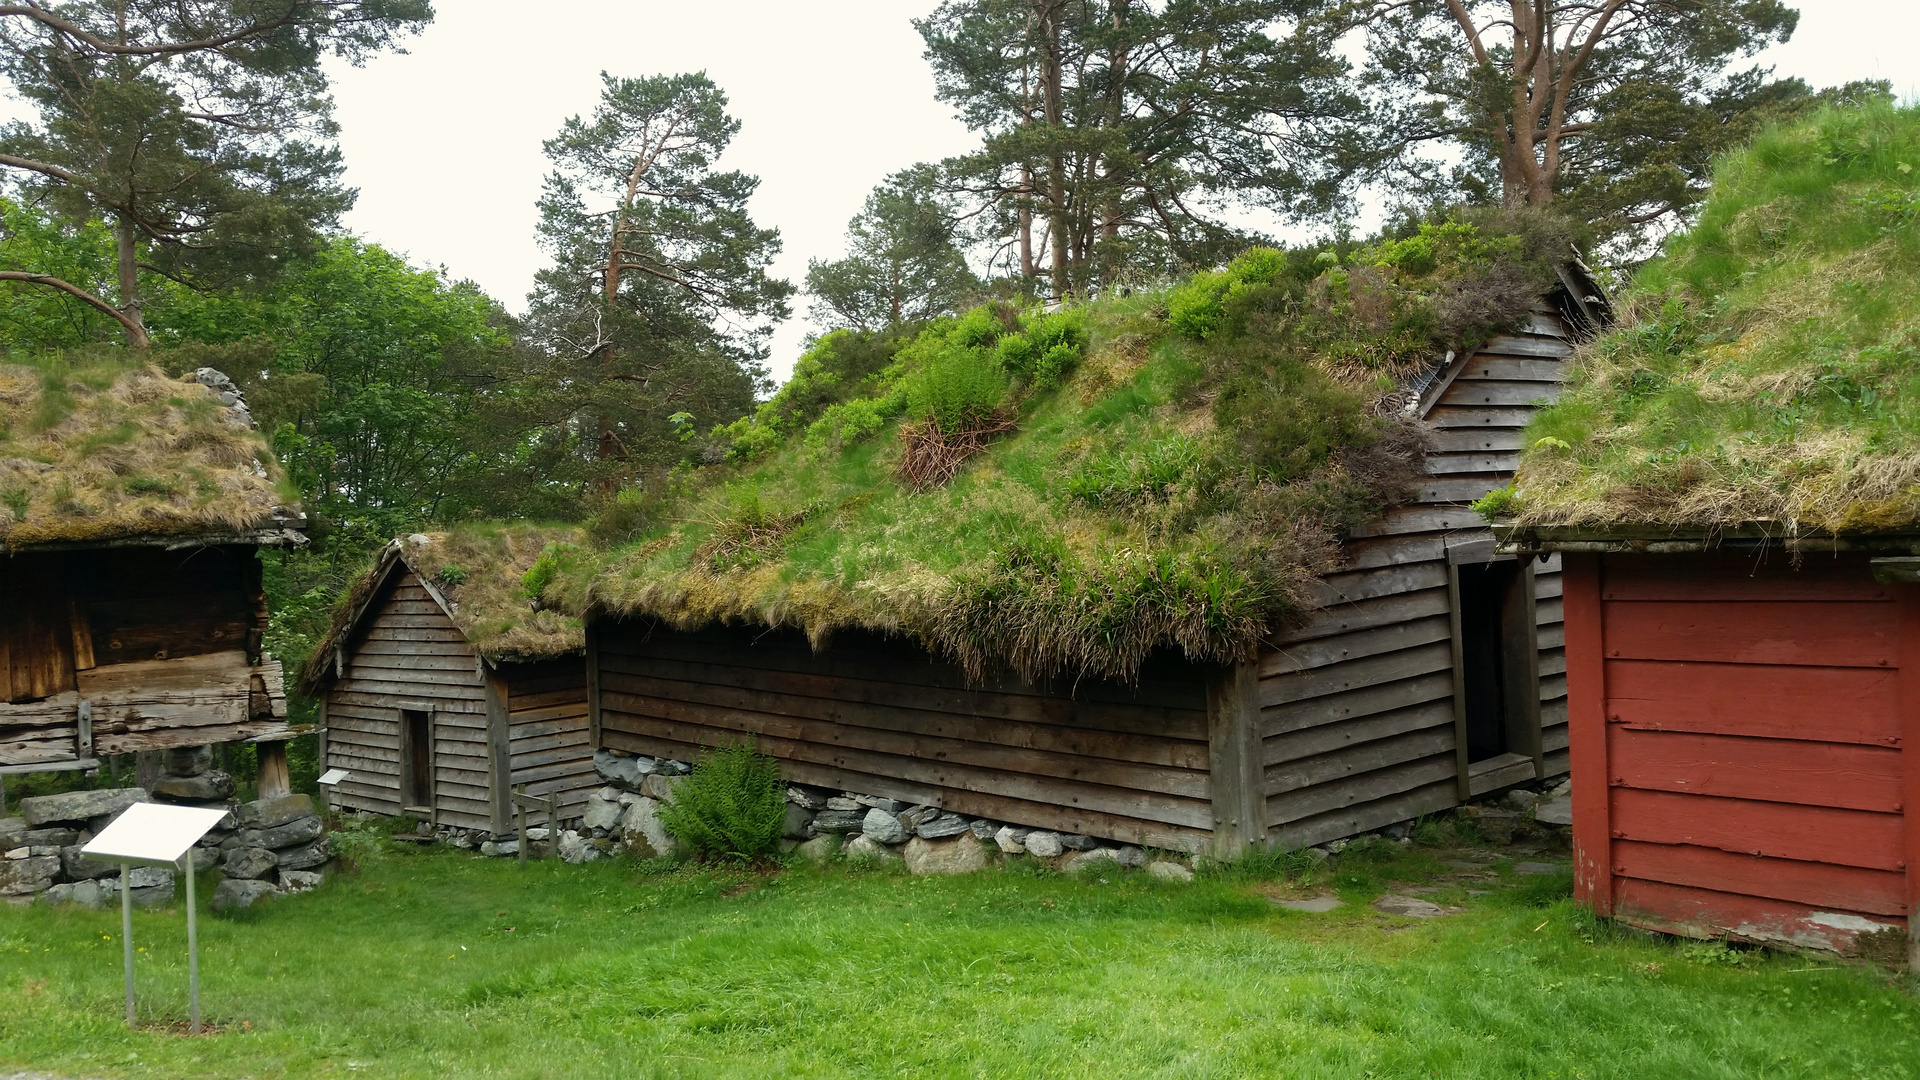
<point>1587,731</point>
<point>523,802</point>
<point>1235,761</point>
<point>1909,699</point>
<point>272,779</point>
<point>593,688</point>
<point>499,748</point>
<point>1462,768</point>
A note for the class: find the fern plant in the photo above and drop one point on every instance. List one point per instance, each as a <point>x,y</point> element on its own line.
<point>733,806</point>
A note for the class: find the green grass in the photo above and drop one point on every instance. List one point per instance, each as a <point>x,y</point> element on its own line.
<point>441,966</point>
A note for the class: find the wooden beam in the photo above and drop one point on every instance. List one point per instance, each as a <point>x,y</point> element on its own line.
<point>1520,670</point>
<point>82,633</point>
<point>274,781</point>
<point>1234,758</point>
<point>1587,733</point>
<point>499,749</point>
<point>1463,778</point>
<point>593,687</point>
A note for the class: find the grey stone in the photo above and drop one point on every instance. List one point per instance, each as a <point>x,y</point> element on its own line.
<point>603,811</point>
<point>1099,857</point>
<point>52,837</point>
<point>538,832</point>
<point>882,827</point>
<point>677,768</point>
<point>250,863</point>
<point>1397,831</point>
<point>1561,790</point>
<point>44,849</point>
<point>866,848</point>
<point>1335,847</point>
<point>844,802</point>
<point>1007,842</point>
<point>641,831</point>
<point>76,867</point>
<point>808,797</point>
<point>839,821</point>
<point>960,855</point>
<point>21,877</point>
<point>297,831</point>
<point>1317,856</point>
<point>235,894</point>
<point>79,805</point>
<point>1079,843</point>
<point>298,881</point>
<point>875,802</point>
<point>1555,811</point>
<point>819,849</point>
<point>186,760</point>
<point>507,848</point>
<point>575,849</point>
<point>983,829</point>
<point>798,818</point>
<point>12,829</point>
<point>306,856</point>
<point>149,877</point>
<point>81,893</point>
<point>1410,906</point>
<point>20,852</point>
<point>660,786</point>
<point>207,787</point>
<point>1169,871</point>
<point>1538,869</point>
<point>489,849</point>
<point>1042,844</point>
<point>1520,800</point>
<point>1496,825</point>
<point>273,813</point>
<point>1130,856</point>
<point>943,826</point>
<point>915,815</point>
<point>1316,904</point>
<point>618,769</point>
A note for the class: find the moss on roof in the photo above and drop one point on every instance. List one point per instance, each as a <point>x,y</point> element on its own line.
<point>1061,494</point>
<point>489,574</point>
<point>1767,368</point>
<point>106,446</point>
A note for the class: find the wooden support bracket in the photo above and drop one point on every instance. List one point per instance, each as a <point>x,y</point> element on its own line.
<point>523,802</point>
<point>1235,761</point>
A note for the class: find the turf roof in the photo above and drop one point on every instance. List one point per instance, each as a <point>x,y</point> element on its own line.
<point>482,571</point>
<point>106,447</point>
<point>1165,470</point>
<point>1766,371</point>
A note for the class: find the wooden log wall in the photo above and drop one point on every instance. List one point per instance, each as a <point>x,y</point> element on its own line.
<point>1741,727</point>
<point>1357,704</point>
<point>549,744</point>
<point>879,716</point>
<point>409,655</point>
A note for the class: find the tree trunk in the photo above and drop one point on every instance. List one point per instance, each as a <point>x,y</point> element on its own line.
<point>1116,165</point>
<point>1050,76</point>
<point>127,257</point>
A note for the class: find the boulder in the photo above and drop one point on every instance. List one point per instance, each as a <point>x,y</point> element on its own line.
<point>250,863</point>
<point>1314,905</point>
<point>79,893</point>
<point>839,821</point>
<point>1079,843</point>
<point>1100,857</point>
<point>811,798</point>
<point>1520,800</point>
<point>12,831</point>
<point>298,881</point>
<point>943,826</point>
<point>882,827</point>
<point>819,849</point>
<point>24,877</point>
<point>234,894</point>
<point>914,816</point>
<point>52,837</point>
<point>575,849</point>
<point>306,856</point>
<point>660,786</point>
<point>620,770</point>
<point>1044,845</point>
<point>798,818</point>
<point>186,760</point>
<point>149,877</point>
<point>960,855</point>
<point>640,828</point>
<point>844,802</point>
<point>297,831</point>
<point>983,830</point>
<point>79,806</point>
<point>1169,871</point>
<point>1130,856</point>
<point>1496,825</point>
<point>1562,789</point>
<point>205,858</point>
<point>207,787</point>
<point>603,810</point>
<point>273,813</point>
<point>1008,840</point>
<point>77,867</point>
<point>866,848</point>
<point>1557,811</point>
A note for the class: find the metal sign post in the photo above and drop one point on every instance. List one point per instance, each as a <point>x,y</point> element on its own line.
<point>150,834</point>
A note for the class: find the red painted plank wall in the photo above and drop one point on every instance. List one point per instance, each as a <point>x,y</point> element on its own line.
<point>1737,729</point>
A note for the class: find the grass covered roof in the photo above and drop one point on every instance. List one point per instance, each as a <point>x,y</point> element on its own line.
<point>1766,369</point>
<point>489,574</point>
<point>1063,493</point>
<point>102,447</point>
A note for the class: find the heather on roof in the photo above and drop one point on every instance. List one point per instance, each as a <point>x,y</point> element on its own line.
<point>104,446</point>
<point>1766,371</point>
<point>1061,494</point>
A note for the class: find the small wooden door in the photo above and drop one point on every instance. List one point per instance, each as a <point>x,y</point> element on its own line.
<point>416,762</point>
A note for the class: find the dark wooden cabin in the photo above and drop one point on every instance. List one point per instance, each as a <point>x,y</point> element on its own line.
<point>1431,673</point>
<point>441,690</point>
<point>131,614</point>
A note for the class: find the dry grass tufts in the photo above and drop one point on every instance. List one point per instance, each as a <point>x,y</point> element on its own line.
<point>931,456</point>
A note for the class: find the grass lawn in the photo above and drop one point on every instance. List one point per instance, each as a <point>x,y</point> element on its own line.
<point>436,965</point>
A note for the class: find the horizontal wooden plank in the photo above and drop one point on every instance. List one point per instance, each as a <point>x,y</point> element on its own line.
<point>1778,830</point>
<point>520,701</point>
<point>446,635</point>
<point>1347,618</point>
<point>1480,393</point>
<point>554,770</point>
<point>1553,661</point>
<point>1712,579</point>
<point>1420,519</point>
<point>403,699</point>
<point>1367,584</point>
<point>547,688</point>
<point>573,714</point>
<point>1774,770</point>
<point>533,757</point>
<point>1553,686</point>
<point>1357,760</point>
<point>1499,772</point>
<point>1364,817</point>
<point>1478,461</point>
<point>1707,913</point>
<point>394,621</point>
<point>1553,636</point>
<point>1753,632</point>
<point>1546,587</point>
<point>1328,738</point>
<point>1857,705</point>
<point>366,682</point>
<point>1336,708</point>
<point>1458,489</point>
<point>1510,369</point>
<point>1357,674</point>
<point>1553,737</point>
<point>1507,416</point>
<point>1515,345</point>
<point>1546,609</point>
<point>1319,652</point>
<point>432,671</point>
<point>1391,551</point>
<point>1555,763</point>
<point>1477,440</point>
<point>1356,790</point>
<point>1821,885</point>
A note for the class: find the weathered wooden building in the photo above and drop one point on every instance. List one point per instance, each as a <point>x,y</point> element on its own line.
<point>1431,672</point>
<point>442,689</point>
<point>132,510</point>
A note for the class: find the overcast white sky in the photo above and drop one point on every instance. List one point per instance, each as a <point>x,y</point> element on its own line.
<point>444,142</point>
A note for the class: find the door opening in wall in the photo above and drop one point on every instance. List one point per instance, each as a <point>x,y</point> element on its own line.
<point>1496,678</point>
<point>416,760</point>
<point>1484,593</point>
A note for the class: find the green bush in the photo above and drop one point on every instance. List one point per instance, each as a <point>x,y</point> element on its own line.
<point>956,386</point>
<point>553,558</point>
<point>733,806</point>
<point>1195,309</point>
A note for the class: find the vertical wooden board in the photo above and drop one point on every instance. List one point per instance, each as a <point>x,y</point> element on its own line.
<point>593,683</point>
<point>499,752</point>
<point>1777,830</point>
<point>1843,634</point>
<point>1587,732</point>
<point>1234,760</point>
<point>1908,598</point>
<point>1856,705</point>
<point>1771,770</point>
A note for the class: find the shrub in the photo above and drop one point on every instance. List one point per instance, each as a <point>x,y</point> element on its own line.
<point>1195,310</point>
<point>956,387</point>
<point>552,560</point>
<point>734,806</point>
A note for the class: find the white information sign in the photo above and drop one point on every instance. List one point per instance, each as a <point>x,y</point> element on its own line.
<point>153,834</point>
<point>333,776</point>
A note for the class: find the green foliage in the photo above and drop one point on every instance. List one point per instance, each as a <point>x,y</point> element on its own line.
<point>1196,308</point>
<point>553,559</point>
<point>455,574</point>
<point>955,386</point>
<point>837,369</point>
<point>733,806</point>
<point>904,263</point>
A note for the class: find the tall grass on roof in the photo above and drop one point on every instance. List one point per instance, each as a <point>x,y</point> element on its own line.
<point>1165,470</point>
<point>101,444</point>
<point>1768,367</point>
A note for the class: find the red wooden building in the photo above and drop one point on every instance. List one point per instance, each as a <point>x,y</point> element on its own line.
<point>1742,715</point>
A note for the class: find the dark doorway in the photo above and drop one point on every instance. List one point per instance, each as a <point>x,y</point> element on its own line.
<point>416,760</point>
<point>1486,595</point>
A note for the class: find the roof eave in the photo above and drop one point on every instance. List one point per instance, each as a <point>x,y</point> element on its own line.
<point>1656,539</point>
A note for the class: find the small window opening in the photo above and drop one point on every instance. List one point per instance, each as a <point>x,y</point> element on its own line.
<point>416,759</point>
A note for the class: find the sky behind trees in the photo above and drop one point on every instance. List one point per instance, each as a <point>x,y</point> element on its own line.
<point>444,143</point>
